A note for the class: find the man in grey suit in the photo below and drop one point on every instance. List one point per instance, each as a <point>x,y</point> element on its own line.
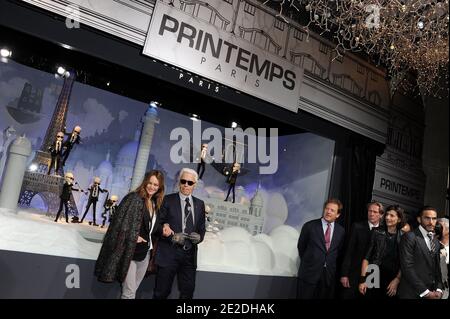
<point>419,260</point>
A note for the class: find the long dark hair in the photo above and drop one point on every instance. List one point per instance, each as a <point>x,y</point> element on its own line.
<point>159,195</point>
<point>400,214</point>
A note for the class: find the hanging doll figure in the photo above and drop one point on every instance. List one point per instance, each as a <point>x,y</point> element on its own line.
<point>232,177</point>
<point>73,138</point>
<point>65,195</point>
<point>56,152</point>
<point>94,192</point>
<point>110,207</point>
<point>201,161</point>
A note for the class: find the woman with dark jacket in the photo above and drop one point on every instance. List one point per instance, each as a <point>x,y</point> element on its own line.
<point>383,251</point>
<point>129,240</point>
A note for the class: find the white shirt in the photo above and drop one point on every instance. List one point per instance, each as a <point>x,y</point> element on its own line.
<point>325,226</point>
<point>446,251</point>
<point>425,235</point>
<point>372,225</point>
<point>151,229</point>
<point>183,204</point>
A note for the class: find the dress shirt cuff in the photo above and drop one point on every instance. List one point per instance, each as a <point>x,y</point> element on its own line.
<point>423,294</point>
<point>439,290</point>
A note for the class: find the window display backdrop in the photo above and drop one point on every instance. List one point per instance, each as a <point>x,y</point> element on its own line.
<point>257,234</point>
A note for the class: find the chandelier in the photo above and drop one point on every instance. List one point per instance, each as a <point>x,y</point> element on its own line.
<point>409,38</point>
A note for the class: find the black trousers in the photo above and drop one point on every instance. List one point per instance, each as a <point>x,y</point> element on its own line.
<point>66,210</point>
<point>66,155</point>
<point>201,168</point>
<point>90,202</point>
<point>324,289</point>
<point>353,291</point>
<point>185,269</point>
<point>232,186</point>
<point>55,163</point>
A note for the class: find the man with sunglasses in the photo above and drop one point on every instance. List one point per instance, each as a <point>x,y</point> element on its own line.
<point>56,152</point>
<point>182,215</point>
<point>65,195</point>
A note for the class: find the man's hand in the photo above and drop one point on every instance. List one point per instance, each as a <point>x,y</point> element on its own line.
<point>194,238</point>
<point>362,288</point>
<point>433,295</point>
<point>167,231</point>
<point>141,240</point>
<point>392,288</point>
<point>345,282</point>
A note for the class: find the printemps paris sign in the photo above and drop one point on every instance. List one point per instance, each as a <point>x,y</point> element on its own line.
<point>196,46</point>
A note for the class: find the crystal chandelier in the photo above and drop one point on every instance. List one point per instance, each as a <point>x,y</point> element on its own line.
<point>407,37</point>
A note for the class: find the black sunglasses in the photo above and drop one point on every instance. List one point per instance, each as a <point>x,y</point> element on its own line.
<point>190,183</point>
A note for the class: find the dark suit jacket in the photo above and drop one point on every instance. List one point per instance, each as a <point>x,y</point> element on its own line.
<point>54,152</point>
<point>67,142</point>
<point>66,191</point>
<point>171,213</point>
<point>420,268</point>
<point>356,250</point>
<point>91,190</point>
<point>313,253</point>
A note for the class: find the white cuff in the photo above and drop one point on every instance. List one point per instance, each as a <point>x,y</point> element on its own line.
<point>423,294</point>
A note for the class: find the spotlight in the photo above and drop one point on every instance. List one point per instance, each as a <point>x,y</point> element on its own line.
<point>234,125</point>
<point>5,53</point>
<point>108,83</point>
<point>61,70</point>
<point>33,167</point>
<point>194,117</point>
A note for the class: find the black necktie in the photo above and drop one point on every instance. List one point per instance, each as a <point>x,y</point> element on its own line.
<point>188,223</point>
<point>432,244</point>
<point>188,220</point>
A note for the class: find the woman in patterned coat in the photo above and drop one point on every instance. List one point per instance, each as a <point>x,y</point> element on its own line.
<point>128,242</point>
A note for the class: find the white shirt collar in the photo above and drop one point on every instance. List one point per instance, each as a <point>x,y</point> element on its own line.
<point>324,222</point>
<point>372,225</point>
<point>424,232</point>
<point>183,197</point>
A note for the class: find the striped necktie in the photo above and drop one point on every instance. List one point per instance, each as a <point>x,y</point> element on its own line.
<point>432,244</point>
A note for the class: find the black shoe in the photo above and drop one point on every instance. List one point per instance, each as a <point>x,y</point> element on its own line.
<point>94,224</point>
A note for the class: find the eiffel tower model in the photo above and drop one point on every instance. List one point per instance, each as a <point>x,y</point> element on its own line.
<point>49,187</point>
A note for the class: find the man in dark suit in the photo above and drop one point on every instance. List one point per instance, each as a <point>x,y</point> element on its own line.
<point>56,152</point>
<point>357,249</point>
<point>419,260</point>
<point>181,215</point>
<point>73,138</point>
<point>65,195</point>
<point>94,193</point>
<point>319,246</point>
